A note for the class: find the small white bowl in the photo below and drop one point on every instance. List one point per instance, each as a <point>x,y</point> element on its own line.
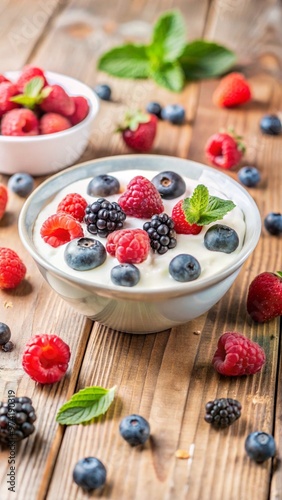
<point>131,309</point>
<point>47,154</point>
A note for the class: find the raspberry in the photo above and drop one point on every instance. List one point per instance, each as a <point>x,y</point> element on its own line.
<point>59,229</point>
<point>7,90</point>
<point>4,79</point>
<point>130,246</point>
<point>45,358</point>
<point>161,232</point>
<point>20,122</point>
<point>222,412</point>
<point>12,269</point>
<point>81,109</point>
<point>58,101</point>
<point>73,204</point>
<point>27,74</point>
<point>237,355</point>
<point>3,199</point>
<point>232,91</point>
<point>16,419</point>
<point>224,150</point>
<point>141,199</point>
<point>53,122</point>
<point>181,225</point>
<point>103,217</point>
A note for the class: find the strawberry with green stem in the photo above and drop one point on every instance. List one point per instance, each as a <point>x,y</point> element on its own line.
<point>264,300</point>
<point>139,130</point>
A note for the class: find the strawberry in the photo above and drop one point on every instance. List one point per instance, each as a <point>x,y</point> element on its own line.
<point>141,199</point>
<point>81,109</point>
<point>224,150</point>
<point>233,90</point>
<point>3,199</point>
<point>57,101</point>
<point>28,73</point>
<point>7,90</point>
<point>264,300</point>
<point>20,122</point>
<point>139,130</point>
<point>53,122</point>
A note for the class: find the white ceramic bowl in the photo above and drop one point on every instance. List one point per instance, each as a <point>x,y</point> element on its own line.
<point>131,309</point>
<point>47,154</point>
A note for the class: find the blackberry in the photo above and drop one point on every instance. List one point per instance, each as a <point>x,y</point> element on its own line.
<point>222,412</point>
<point>161,232</point>
<point>16,419</point>
<point>103,217</point>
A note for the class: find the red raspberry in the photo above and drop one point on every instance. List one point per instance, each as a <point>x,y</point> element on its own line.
<point>58,101</point>
<point>59,229</point>
<point>3,79</point>
<point>20,122</point>
<point>141,199</point>
<point>7,90</point>
<point>81,109</point>
<point>232,91</point>
<point>224,150</point>
<point>50,123</point>
<point>237,355</point>
<point>3,199</point>
<point>181,225</point>
<point>27,74</point>
<point>73,204</point>
<point>45,358</point>
<point>129,246</point>
<point>12,268</point>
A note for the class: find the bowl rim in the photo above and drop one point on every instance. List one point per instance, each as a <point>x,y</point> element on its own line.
<point>135,293</point>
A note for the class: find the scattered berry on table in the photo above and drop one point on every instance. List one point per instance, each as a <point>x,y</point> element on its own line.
<point>81,109</point>
<point>12,269</point>
<point>222,412</point>
<point>139,130</point>
<point>233,90</point>
<point>3,199</point>
<point>249,176</point>
<point>58,101</point>
<point>21,183</point>
<point>5,333</point>
<point>161,232</point>
<point>237,355</point>
<point>103,91</point>
<point>154,108</point>
<point>50,123</point>
<point>17,417</point>
<point>20,122</point>
<point>141,199</point>
<point>83,254</point>
<point>184,267</point>
<point>173,113</point>
<point>273,223</point>
<point>103,217</point>
<point>224,150</point>
<point>8,347</point>
<point>260,446</point>
<point>59,229</point>
<point>271,125</point>
<point>73,204</point>
<point>129,246</point>
<point>89,473</point>
<point>135,429</point>
<point>221,238</point>
<point>7,90</point>
<point>264,300</point>
<point>181,225</point>
<point>27,73</point>
<point>169,184</point>
<point>45,358</point>
<point>125,275</point>
<point>103,185</point>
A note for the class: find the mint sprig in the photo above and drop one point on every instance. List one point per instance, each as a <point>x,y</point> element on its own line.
<point>202,208</point>
<point>33,93</point>
<point>85,405</point>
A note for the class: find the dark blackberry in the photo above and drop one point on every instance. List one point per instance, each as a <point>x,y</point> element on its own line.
<point>222,412</point>
<point>161,232</point>
<point>103,217</point>
<point>16,419</point>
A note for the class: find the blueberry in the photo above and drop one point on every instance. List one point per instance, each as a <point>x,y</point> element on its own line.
<point>249,176</point>
<point>103,185</point>
<point>169,184</point>
<point>134,429</point>
<point>260,446</point>
<point>89,473</point>
<point>271,125</point>
<point>174,113</point>
<point>103,91</point>
<point>220,238</point>
<point>83,254</point>
<point>154,108</point>
<point>22,184</point>
<point>125,275</point>
<point>8,347</point>
<point>184,267</point>
<point>5,333</point>
<point>273,223</point>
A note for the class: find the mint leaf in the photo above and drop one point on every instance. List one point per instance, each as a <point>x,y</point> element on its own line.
<point>85,405</point>
<point>202,59</point>
<point>170,76</point>
<point>34,86</point>
<point>202,208</point>
<point>168,40</point>
<point>216,210</point>
<point>126,61</point>
<point>24,100</point>
<point>33,93</point>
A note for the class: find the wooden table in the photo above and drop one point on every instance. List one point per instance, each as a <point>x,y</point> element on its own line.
<point>166,377</point>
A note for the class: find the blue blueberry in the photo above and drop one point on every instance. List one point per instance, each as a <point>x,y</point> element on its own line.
<point>83,254</point>
<point>249,176</point>
<point>22,184</point>
<point>89,473</point>
<point>103,91</point>
<point>125,275</point>
<point>103,185</point>
<point>260,446</point>
<point>134,429</point>
<point>169,184</point>
<point>174,113</point>
<point>221,238</point>
<point>154,108</point>
<point>5,333</point>
<point>271,125</point>
<point>273,223</point>
<point>184,267</point>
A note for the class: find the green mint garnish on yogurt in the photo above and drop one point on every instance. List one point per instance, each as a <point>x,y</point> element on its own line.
<point>202,208</point>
